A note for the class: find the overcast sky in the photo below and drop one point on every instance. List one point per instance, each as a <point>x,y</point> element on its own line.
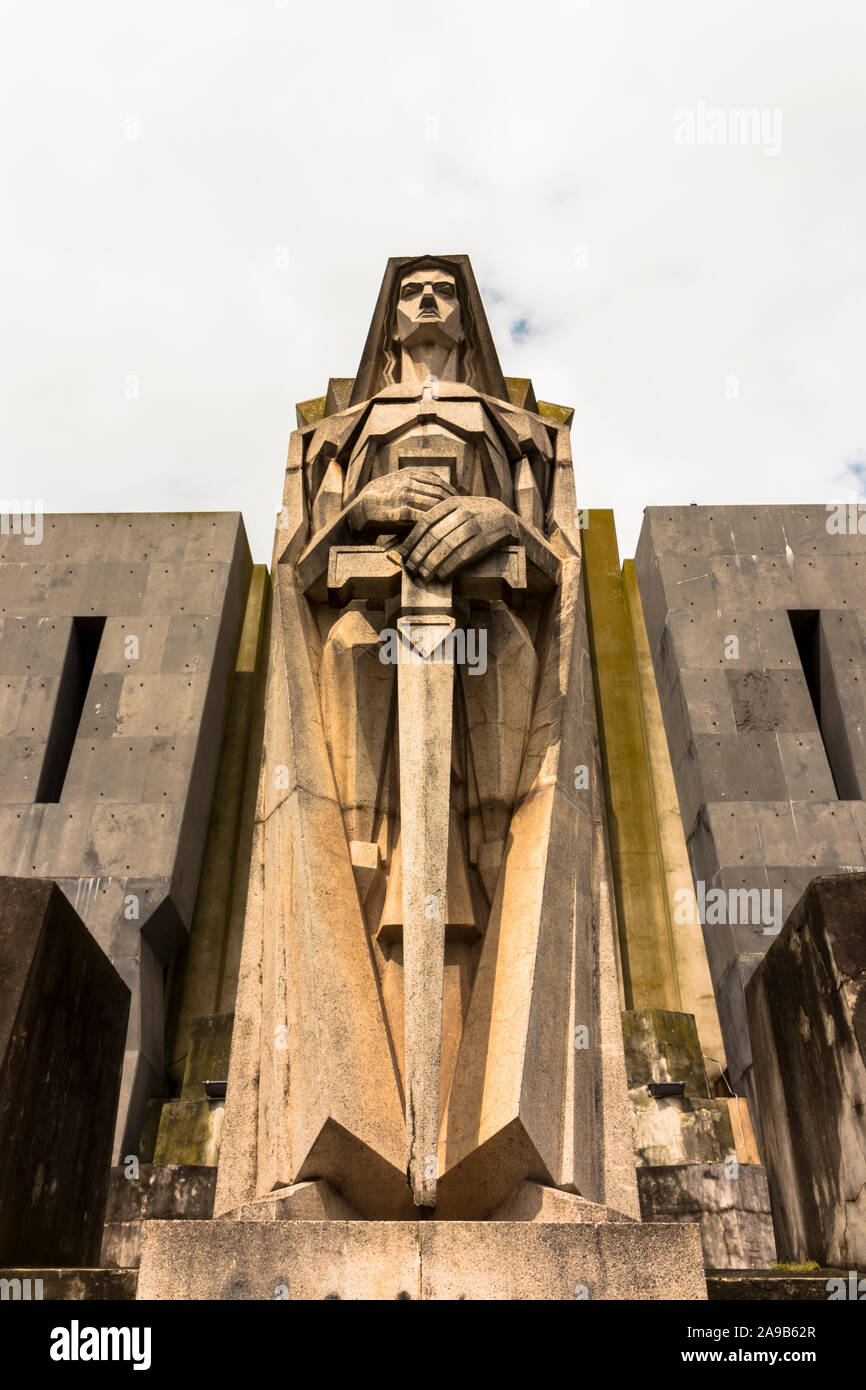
<point>199,199</point>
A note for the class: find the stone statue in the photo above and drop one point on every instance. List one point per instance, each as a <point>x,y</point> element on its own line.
<point>428,934</point>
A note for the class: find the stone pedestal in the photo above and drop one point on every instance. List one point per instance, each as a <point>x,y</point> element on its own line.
<point>429,1260</point>
<point>728,1202</point>
<point>190,1127</point>
<point>160,1192</point>
<point>63,1016</point>
<point>696,1155</point>
<point>807,1019</point>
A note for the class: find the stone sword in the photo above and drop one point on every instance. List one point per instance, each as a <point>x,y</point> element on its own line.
<point>427,619</point>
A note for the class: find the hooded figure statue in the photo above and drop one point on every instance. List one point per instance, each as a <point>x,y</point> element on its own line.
<point>419,938</point>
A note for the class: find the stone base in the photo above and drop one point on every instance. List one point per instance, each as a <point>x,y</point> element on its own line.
<point>304,1201</point>
<point>748,1285</point>
<point>807,1021</point>
<point>731,1209</point>
<point>76,1285</point>
<point>63,1016</point>
<point>161,1192</point>
<point>484,1260</point>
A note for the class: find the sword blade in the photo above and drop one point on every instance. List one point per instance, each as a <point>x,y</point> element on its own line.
<point>425,692</point>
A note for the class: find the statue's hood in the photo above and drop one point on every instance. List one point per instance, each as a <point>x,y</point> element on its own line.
<point>484,371</point>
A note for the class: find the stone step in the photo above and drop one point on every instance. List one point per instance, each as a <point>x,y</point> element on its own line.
<point>427,1259</point>
<point>755,1284</point>
<point>159,1192</point>
<point>75,1285</point>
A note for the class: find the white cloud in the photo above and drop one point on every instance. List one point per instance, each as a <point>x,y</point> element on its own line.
<point>203,196</point>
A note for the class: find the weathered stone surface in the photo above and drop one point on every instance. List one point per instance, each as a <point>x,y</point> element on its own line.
<point>525,1260</point>
<point>189,1132</point>
<point>661,1045</point>
<point>663,961</point>
<point>532,1201</point>
<point>63,1017</point>
<point>807,1014</point>
<point>204,974</point>
<point>305,1201</point>
<point>208,1056</point>
<point>679,1129</point>
<point>747,1286</point>
<point>430,1260</point>
<point>160,1192</point>
<point>730,1204</point>
<point>71,1284</point>
<point>256,1260</point>
<point>190,1128</point>
<point>425,702</point>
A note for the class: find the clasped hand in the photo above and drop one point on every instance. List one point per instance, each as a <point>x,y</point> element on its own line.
<point>450,531</point>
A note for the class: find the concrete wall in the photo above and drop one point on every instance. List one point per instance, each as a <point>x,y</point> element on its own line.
<point>759,803</point>
<point>127,833</point>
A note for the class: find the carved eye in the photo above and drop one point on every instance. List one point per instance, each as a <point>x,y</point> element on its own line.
<point>446,290</point>
<point>409,291</point>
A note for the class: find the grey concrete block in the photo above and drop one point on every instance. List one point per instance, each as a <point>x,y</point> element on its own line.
<point>776,643</point>
<point>731,1001</point>
<point>805,767</point>
<point>807,533</point>
<point>730,1203</point>
<point>807,1014</point>
<point>735,833</point>
<point>690,788</point>
<point>707,700</point>
<point>157,1192</point>
<point>63,1017</point>
<point>747,767</point>
<point>766,701</point>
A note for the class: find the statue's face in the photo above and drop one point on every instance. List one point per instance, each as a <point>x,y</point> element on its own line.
<point>428,309</point>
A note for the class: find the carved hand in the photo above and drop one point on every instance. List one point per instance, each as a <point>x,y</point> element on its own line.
<point>396,499</point>
<point>454,534</point>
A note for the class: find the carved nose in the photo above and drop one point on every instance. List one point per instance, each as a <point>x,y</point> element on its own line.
<point>428,298</point>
